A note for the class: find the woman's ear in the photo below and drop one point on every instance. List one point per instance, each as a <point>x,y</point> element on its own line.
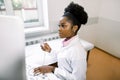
<point>75,28</point>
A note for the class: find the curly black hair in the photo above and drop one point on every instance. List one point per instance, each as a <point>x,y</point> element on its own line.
<point>76,14</point>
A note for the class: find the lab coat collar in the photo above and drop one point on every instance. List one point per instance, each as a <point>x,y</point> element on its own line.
<point>73,41</point>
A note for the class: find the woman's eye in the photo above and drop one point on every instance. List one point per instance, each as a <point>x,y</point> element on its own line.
<point>61,25</point>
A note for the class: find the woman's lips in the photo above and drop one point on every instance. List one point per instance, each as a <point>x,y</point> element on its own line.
<point>60,33</point>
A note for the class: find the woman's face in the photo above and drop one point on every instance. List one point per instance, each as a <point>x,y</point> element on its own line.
<point>65,28</point>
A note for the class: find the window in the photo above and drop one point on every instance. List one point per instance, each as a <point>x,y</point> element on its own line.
<point>33,12</point>
<point>2,7</point>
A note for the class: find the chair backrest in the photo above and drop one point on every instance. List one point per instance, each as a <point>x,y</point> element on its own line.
<point>12,45</point>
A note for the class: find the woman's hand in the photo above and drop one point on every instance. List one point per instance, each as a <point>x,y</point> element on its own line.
<point>44,69</point>
<point>46,47</point>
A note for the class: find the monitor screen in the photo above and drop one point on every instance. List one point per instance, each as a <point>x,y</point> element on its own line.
<point>12,45</point>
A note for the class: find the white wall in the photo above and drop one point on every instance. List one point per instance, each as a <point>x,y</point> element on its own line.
<point>108,36</point>
<point>110,9</point>
<point>108,29</point>
<point>87,32</point>
<point>105,34</point>
<point>56,9</point>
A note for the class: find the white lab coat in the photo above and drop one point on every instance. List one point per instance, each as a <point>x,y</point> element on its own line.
<point>71,61</point>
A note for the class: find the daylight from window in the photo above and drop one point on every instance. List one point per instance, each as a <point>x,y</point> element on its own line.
<point>26,9</point>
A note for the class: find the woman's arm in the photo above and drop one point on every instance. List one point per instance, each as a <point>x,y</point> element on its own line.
<point>50,67</point>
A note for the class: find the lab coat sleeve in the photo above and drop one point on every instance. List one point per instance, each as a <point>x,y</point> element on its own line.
<point>63,75</point>
<point>53,55</point>
<point>78,65</point>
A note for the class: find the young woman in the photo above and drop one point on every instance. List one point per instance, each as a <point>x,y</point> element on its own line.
<point>72,56</point>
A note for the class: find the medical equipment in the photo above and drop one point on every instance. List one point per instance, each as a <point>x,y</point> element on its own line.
<point>12,48</point>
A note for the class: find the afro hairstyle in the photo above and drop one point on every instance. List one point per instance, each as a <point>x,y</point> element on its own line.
<point>78,13</point>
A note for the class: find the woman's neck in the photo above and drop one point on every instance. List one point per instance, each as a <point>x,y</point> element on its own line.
<point>69,37</point>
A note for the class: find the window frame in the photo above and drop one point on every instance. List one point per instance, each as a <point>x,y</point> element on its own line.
<point>32,27</point>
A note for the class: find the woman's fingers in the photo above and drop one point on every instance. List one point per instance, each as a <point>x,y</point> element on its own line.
<point>36,70</point>
<point>46,47</point>
<point>42,47</point>
<point>44,69</point>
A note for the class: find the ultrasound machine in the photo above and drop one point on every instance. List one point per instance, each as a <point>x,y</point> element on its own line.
<point>12,45</point>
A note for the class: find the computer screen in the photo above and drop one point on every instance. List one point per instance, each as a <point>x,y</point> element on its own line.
<point>12,48</point>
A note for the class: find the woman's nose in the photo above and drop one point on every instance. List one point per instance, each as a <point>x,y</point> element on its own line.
<point>59,28</point>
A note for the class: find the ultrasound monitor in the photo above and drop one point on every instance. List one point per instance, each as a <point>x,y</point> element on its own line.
<point>12,48</point>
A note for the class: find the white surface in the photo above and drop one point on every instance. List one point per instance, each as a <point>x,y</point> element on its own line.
<point>12,59</point>
<point>108,29</point>
<point>110,9</point>
<point>87,45</point>
<point>108,36</point>
<point>106,33</point>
